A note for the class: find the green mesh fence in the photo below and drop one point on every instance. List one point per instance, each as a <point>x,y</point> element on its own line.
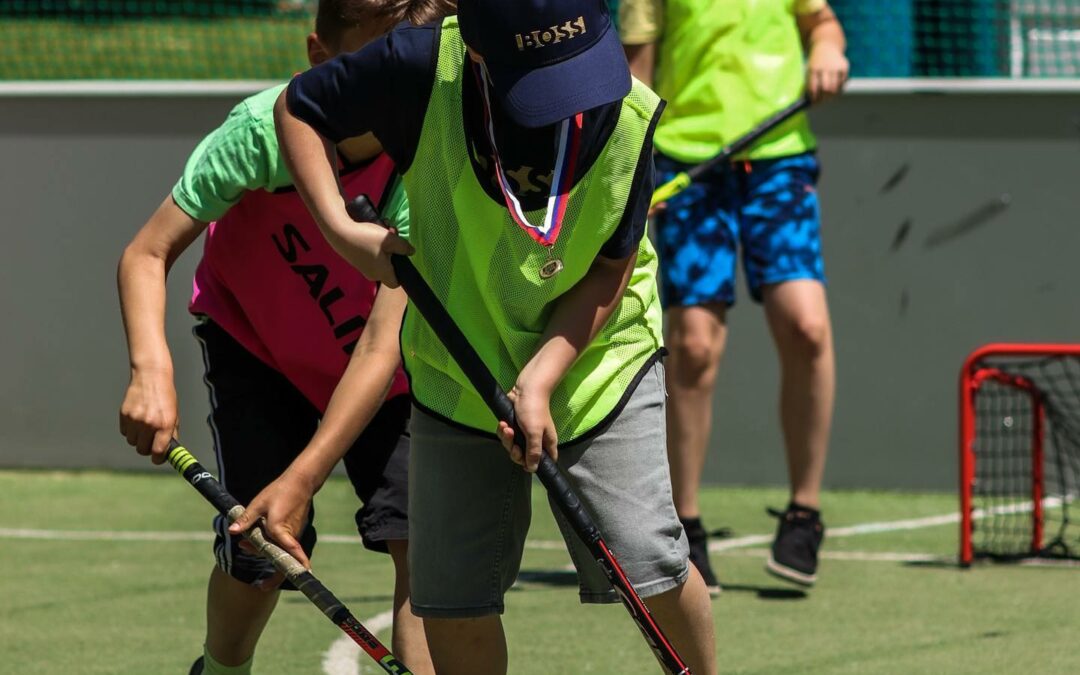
<point>264,39</point>
<point>962,38</point>
<point>153,39</point>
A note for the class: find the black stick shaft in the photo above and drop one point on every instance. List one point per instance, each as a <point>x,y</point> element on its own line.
<point>551,477</point>
<point>215,493</point>
<point>749,138</point>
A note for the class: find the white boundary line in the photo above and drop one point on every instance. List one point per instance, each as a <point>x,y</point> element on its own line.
<point>895,525</point>
<point>343,656</point>
<point>715,546</point>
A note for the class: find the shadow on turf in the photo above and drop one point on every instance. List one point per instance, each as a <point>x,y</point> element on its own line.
<point>347,599</point>
<point>547,577</point>
<point>766,592</point>
<point>563,578</point>
<point>943,564</point>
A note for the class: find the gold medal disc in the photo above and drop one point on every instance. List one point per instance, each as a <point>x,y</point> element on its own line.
<point>551,268</point>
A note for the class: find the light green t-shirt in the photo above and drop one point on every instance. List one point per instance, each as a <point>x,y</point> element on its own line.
<point>723,67</point>
<point>243,155</point>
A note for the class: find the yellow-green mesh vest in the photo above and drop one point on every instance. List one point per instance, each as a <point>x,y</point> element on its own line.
<point>485,269</point>
<point>724,66</point>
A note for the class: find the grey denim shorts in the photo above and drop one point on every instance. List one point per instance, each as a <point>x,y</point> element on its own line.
<point>469,510</point>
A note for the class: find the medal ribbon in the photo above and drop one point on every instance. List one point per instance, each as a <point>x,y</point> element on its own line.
<point>562,177</point>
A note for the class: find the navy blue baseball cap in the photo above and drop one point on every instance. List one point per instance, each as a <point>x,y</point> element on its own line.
<point>548,59</point>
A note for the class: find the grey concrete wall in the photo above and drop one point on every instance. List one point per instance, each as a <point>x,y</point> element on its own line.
<point>925,262</point>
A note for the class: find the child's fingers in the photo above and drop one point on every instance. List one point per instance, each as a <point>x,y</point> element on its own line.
<point>161,445</point>
<point>284,538</point>
<point>245,522</point>
<point>506,437</point>
<point>551,443</point>
<point>145,440</point>
<point>534,449</point>
<point>395,244</point>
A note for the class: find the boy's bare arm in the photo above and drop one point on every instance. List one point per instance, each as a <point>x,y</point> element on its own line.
<point>824,42</point>
<point>578,317</point>
<point>148,415</point>
<point>641,24</point>
<point>311,161</point>
<point>356,400</point>
<point>642,60</point>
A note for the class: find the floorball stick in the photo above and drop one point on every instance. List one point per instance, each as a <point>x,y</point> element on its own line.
<point>683,180</point>
<point>215,493</point>
<point>553,479</point>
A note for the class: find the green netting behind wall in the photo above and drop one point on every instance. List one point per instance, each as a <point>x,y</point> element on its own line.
<point>153,39</point>
<point>264,39</point>
<point>962,38</point>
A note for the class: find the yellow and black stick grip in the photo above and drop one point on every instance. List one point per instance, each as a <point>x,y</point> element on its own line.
<point>683,180</point>
<point>215,493</point>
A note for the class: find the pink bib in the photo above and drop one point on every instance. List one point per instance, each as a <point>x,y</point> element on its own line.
<point>268,277</point>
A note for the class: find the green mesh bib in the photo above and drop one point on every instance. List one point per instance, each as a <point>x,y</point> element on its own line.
<point>723,67</point>
<point>486,270</point>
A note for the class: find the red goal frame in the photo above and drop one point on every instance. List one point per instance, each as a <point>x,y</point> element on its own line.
<point>972,377</point>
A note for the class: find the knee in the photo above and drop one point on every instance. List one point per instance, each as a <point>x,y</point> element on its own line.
<point>695,353</point>
<point>807,338</point>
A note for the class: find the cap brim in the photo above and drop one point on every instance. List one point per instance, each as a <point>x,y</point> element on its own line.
<point>541,96</point>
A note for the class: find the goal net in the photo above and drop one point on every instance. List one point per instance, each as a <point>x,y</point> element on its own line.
<point>1020,452</point>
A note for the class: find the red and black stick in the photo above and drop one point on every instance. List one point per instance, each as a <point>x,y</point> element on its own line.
<point>553,479</point>
<point>551,476</point>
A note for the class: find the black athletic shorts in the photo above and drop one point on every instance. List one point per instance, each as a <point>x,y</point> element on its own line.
<point>261,422</point>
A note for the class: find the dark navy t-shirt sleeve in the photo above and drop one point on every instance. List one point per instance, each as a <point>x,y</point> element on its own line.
<point>383,88</point>
<point>631,229</point>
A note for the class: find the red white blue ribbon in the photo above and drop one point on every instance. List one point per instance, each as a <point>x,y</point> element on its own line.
<point>562,177</point>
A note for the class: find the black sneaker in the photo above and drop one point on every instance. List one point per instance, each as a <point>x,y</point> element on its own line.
<point>794,553</point>
<point>197,667</point>
<point>699,552</point>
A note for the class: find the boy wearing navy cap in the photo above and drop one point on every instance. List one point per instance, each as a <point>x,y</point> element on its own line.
<point>526,150</point>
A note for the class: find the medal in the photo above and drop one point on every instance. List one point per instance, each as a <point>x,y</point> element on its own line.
<point>552,267</point>
<point>562,179</point>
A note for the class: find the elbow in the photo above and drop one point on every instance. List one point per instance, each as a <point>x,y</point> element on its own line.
<point>136,258</point>
<point>127,261</point>
<point>281,107</point>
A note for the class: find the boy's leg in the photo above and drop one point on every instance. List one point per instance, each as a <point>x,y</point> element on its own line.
<point>259,423</point>
<point>236,614</point>
<point>623,480</point>
<point>474,646</point>
<point>378,467</point>
<point>696,337</point>
<point>798,317</point>
<point>685,614</point>
<point>696,240</point>
<point>409,642</point>
<point>469,512</point>
<point>785,270</point>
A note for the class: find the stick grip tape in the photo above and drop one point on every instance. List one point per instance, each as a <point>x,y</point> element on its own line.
<point>362,210</point>
<point>203,481</point>
<point>214,492</point>
<point>680,182</point>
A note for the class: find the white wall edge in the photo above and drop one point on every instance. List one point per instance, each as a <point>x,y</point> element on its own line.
<point>239,88</point>
<point>961,85</point>
<point>132,88</point>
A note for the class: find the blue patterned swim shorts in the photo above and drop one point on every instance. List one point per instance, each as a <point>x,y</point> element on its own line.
<point>769,208</point>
